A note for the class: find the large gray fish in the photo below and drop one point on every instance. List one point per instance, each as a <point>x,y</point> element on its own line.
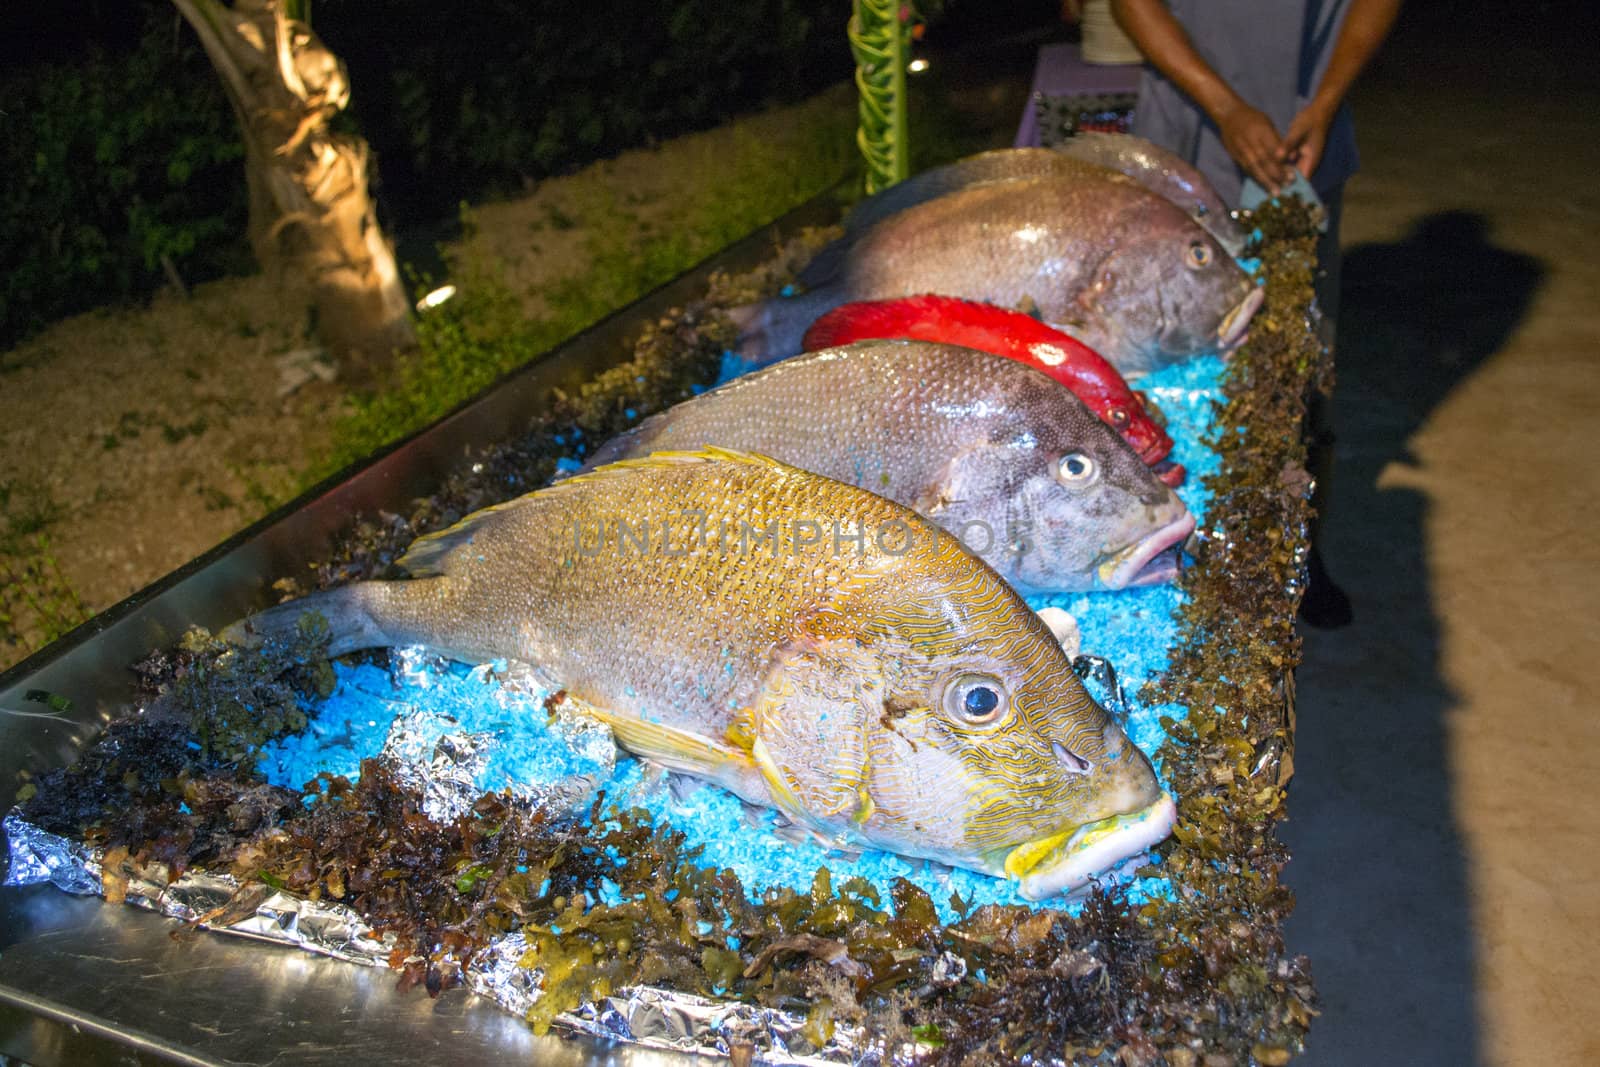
<point>1109,262</point>
<point>877,684</point>
<point>989,448</point>
<point>1092,157</point>
<point>1162,172</point>
<point>1084,157</point>
<point>997,165</point>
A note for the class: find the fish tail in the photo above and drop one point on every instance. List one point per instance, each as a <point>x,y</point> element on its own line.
<point>347,611</point>
<point>772,330</point>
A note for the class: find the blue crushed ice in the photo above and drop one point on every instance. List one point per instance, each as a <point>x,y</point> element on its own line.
<point>1134,629</point>
<point>435,699</point>
<point>732,366</point>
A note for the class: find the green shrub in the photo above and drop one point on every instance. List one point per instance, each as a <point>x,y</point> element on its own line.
<point>462,100</point>
<point>110,165</point>
<point>123,151</point>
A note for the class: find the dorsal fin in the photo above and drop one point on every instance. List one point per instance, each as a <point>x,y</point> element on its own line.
<point>668,458</point>
<point>425,557</point>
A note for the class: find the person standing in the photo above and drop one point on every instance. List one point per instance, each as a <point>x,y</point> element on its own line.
<point>1254,90</point>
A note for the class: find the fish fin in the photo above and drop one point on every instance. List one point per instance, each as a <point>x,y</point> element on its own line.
<point>955,482</point>
<point>786,829</point>
<point>683,786</point>
<point>821,698</point>
<point>1089,329</point>
<point>749,318</point>
<point>793,832</point>
<point>429,555</point>
<point>774,329</point>
<point>665,459</point>
<point>932,500</point>
<point>752,343</point>
<point>345,610</point>
<point>676,749</point>
<point>653,775</point>
<point>828,262</point>
<point>755,816</point>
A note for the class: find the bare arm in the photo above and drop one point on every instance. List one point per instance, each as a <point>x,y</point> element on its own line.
<point>1365,26</point>
<point>1248,134</point>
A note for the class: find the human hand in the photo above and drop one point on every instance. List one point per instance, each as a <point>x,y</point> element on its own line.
<point>1253,142</point>
<point>1307,137</point>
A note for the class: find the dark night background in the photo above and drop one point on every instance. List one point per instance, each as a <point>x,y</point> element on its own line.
<point>1438,933</point>
<point>120,148</point>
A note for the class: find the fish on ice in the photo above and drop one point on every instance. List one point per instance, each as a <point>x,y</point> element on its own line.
<point>989,448</point>
<point>877,684</point>
<point>1105,260</point>
<point>1014,335</point>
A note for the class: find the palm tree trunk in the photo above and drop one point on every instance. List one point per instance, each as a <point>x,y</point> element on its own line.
<point>310,210</point>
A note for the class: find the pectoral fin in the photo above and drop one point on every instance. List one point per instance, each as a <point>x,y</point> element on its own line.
<point>968,475</point>
<point>683,750</point>
<point>812,722</point>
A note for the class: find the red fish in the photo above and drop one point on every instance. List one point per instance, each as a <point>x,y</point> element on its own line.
<point>1008,333</point>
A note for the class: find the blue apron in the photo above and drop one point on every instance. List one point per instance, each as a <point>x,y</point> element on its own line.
<point>1273,53</point>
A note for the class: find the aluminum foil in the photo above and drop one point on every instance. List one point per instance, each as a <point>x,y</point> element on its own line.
<point>215,901</point>
<point>36,856</point>
<point>663,1018</point>
<point>442,768</point>
<point>642,1015</point>
<point>446,766</point>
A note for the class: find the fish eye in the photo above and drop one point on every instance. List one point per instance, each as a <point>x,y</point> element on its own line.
<point>1118,417</point>
<point>976,699</point>
<point>1076,470</point>
<point>1199,254</point>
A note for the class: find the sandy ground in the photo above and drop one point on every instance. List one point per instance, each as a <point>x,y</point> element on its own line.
<point>134,439</point>
<point>1444,860</point>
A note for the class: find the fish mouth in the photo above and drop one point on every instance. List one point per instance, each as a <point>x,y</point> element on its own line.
<point>1151,561</point>
<point>1062,862</point>
<point>1169,473</point>
<point>1231,333</point>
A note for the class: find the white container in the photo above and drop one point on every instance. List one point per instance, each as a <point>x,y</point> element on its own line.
<point>1104,43</point>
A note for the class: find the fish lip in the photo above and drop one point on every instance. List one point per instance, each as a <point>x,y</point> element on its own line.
<point>1169,473</point>
<point>1094,847</point>
<point>1231,332</point>
<point>1156,450</point>
<point>1132,566</point>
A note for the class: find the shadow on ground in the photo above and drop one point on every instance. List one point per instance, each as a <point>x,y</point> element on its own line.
<point>1379,866</point>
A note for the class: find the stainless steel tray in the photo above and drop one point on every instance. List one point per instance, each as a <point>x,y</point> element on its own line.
<point>83,982</point>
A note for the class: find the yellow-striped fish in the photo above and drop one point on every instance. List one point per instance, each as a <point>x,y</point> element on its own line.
<point>806,644</point>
